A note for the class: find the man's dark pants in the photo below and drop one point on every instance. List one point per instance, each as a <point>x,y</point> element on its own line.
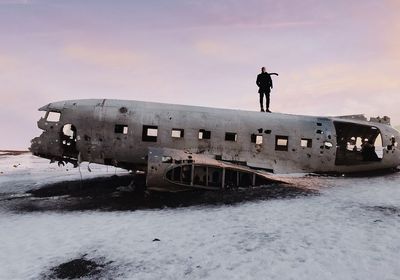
<point>267,97</point>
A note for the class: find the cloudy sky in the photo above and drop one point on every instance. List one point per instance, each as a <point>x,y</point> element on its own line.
<point>334,57</point>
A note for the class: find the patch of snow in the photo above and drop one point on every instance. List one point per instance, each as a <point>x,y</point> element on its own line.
<point>343,233</point>
<point>24,172</point>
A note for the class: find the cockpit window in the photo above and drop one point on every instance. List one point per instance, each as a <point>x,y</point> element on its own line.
<point>53,117</point>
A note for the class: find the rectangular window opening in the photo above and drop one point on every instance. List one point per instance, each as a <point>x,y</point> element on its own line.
<point>121,128</point>
<point>177,133</point>
<point>204,134</point>
<point>281,143</point>
<point>306,143</point>
<point>231,136</point>
<point>149,133</point>
<point>53,117</point>
<point>258,139</point>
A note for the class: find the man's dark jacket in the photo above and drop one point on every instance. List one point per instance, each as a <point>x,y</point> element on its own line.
<point>264,82</point>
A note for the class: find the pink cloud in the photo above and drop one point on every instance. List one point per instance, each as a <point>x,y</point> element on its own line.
<point>7,63</point>
<point>104,57</point>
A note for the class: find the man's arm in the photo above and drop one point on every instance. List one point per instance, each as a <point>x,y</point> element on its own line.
<point>270,80</point>
<point>258,81</point>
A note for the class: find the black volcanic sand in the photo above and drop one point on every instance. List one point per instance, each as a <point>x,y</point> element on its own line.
<point>78,268</point>
<point>116,193</point>
<point>386,210</point>
<point>12,153</point>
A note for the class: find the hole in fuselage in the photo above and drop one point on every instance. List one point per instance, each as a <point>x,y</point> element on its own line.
<point>357,144</point>
<point>68,140</point>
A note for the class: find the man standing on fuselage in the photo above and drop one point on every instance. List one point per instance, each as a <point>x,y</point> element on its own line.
<point>264,82</point>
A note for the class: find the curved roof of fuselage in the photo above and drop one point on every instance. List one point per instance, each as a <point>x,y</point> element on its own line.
<point>59,105</point>
<point>133,104</point>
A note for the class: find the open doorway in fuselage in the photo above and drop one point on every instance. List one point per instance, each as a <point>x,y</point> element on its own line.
<point>68,140</point>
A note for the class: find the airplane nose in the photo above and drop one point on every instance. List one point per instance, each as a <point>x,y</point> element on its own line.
<point>35,146</point>
<point>45,146</point>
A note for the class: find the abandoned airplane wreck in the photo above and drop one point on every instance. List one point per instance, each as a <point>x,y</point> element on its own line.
<point>182,147</point>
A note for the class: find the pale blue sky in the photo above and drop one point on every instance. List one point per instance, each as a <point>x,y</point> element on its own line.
<point>333,57</point>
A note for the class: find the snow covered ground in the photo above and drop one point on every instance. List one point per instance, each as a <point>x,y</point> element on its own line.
<point>25,172</point>
<point>349,231</point>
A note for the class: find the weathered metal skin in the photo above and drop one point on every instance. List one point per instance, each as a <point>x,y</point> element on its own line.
<point>96,139</point>
<point>200,167</point>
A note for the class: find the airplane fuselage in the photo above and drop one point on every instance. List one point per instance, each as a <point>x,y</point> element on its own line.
<point>119,133</point>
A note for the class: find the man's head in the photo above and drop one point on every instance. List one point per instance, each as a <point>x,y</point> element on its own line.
<point>263,69</point>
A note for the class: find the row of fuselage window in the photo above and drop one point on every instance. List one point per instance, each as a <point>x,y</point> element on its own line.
<point>150,133</point>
